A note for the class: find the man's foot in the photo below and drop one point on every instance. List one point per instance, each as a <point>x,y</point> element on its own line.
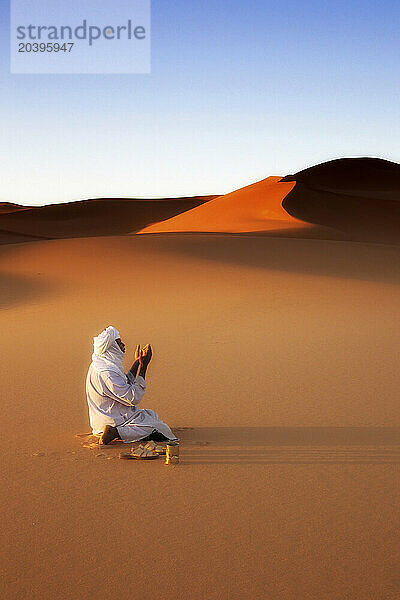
<point>155,436</point>
<point>109,434</point>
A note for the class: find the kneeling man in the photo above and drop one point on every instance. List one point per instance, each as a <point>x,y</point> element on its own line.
<point>113,396</point>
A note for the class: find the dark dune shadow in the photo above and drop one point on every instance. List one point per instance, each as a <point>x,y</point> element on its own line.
<point>90,218</point>
<point>6,207</point>
<point>11,237</point>
<point>365,177</point>
<point>360,197</point>
<point>350,260</point>
<point>17,289</point>
<point>290,445</point>
<point>356,217</point>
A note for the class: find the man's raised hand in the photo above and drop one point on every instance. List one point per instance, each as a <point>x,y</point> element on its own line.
<point>138,353</point>
<point>147,354</point>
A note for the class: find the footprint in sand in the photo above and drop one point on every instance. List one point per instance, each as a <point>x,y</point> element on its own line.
<point>87,439</point>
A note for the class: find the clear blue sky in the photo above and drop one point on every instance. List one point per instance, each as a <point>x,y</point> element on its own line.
<point>239,90</point>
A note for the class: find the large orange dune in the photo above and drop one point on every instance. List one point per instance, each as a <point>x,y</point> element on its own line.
<point>349,199</point>
<point>256,207</point>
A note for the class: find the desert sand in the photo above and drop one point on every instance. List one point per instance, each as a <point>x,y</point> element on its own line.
<point>98,216</point>
<point>276,363</point>
<point>282,355</point>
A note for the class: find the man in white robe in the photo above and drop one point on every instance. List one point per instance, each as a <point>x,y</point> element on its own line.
<point>113,395</point>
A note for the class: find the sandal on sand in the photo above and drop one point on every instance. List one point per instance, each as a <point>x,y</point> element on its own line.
<point>155,448</point>
<point>140,453</point>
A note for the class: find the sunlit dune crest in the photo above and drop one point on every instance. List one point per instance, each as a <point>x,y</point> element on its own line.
<point>256,207</point>
<point>348,199</point>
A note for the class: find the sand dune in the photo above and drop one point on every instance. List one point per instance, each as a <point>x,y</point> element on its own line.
<point>11,237</point>
<point>277,357</point>
<point>256,207</point>
<point>359,197</point>
<point>353,199</point>
<point>345,199</point>
<point>275,361</point>
<point>362,177</point>
<point>6,207</point>
<point>103,216</point>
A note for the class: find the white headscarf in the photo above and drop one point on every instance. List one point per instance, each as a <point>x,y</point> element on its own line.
<point>107,355</point>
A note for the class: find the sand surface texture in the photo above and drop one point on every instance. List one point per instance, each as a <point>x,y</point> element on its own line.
<point>276,361</point>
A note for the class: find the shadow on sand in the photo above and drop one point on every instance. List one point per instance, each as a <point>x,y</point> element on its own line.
<point>17,289</point>
<point>348,260</point>
<point>290,445</point>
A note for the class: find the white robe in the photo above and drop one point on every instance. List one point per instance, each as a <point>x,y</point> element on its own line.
<point>112,399</point>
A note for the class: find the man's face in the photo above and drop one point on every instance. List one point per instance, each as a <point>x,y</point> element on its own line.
<point>120,344</point>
